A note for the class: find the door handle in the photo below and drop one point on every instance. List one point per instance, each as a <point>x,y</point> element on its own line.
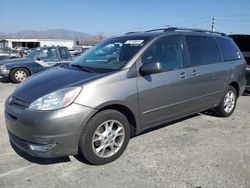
<point>194,73</point>
<point>183,75</point>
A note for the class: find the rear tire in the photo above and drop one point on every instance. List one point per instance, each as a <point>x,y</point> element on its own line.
<point>105,137</point>
<point>228,103</point>
<point>18,75</point>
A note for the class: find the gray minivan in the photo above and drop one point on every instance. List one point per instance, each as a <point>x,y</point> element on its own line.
<point>93,107</point>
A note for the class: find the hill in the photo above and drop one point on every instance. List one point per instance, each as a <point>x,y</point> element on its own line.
<point>49,34</point>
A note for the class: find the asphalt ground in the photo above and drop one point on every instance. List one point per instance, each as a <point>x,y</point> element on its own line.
<point>198,151</point>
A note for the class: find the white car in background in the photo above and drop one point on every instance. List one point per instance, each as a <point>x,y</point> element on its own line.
<point>7,53</point>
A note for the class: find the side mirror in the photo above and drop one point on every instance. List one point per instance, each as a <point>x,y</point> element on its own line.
<point>151,68</point>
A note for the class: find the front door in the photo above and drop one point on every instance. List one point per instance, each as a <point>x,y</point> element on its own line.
<point>162,96</point>
<point>46,58</point>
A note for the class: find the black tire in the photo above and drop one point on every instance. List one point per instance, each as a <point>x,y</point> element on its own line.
<point>15,79</point>
<point>86,148</point>
<point>220,110</point>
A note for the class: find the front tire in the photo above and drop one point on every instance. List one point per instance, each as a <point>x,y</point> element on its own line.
<point>228,103</point>
<point>105,137</point>
<point>18,75</point>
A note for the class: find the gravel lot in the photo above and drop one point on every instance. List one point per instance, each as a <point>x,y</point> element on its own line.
<point>199,151</point>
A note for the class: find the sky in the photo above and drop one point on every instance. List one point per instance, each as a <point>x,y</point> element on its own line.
<point>114,17</point>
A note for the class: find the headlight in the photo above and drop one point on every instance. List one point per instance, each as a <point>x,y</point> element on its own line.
<point>56,100</point>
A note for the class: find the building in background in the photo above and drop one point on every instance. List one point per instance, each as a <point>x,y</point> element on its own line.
<point>33,43</point>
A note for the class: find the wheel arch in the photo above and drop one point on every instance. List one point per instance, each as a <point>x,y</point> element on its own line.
<point>127,112</point>
<point>236,86</point>
<point>21,68</point>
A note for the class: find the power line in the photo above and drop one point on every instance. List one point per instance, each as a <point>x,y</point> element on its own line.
<point>200,22</point>
<point>207,21</point>
<point>191,21</point>
<point>232,15</point>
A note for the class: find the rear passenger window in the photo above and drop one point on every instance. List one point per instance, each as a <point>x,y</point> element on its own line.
<point>229,50</point>
<point>202,50</point>
<point>167,51</point>
<point>63,53</point>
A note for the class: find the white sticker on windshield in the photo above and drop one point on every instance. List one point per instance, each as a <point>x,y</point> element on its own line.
<point>134,42</point>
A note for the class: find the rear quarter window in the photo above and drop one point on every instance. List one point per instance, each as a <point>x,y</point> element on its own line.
<point>228,48</point>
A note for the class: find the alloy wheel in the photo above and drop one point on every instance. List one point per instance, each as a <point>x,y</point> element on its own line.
<point>108,138</point>
<point>229,101</point>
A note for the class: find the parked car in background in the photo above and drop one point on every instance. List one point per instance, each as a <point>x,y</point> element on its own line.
<point>29,51</point>
<point>93,108</point>
<point>109,54</point>
<point>22,50</point>
<point>7,53</point>
<point>74,52</point>
<point>38,60</point>
<point>243,42</point>
<point>78,50</point>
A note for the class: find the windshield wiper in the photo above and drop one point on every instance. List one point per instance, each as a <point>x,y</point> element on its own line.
<point>86,69</point>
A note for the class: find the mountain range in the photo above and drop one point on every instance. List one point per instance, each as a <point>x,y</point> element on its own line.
<point>49,34</point>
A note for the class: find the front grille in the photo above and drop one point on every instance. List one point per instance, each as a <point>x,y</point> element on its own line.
<point>19,102</point>
<point>19,142</point>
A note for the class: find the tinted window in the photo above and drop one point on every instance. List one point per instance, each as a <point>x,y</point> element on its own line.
<point>63,53</point>
<point>243,42</point>
<point>202,50</point>
<point>229,50</point>
<point>167,51</point>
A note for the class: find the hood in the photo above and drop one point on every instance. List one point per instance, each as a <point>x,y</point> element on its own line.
<point>51,80</point>
<point>16,60</point>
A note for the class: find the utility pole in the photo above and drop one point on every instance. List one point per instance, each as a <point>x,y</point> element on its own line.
<point>213,24</point>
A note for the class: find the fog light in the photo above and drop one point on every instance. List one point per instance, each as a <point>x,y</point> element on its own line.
<point>42,148</point>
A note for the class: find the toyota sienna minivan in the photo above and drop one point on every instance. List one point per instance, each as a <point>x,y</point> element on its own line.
<point>96,104</point>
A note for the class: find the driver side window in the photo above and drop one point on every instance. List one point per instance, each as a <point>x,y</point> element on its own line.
<point>167,51</point>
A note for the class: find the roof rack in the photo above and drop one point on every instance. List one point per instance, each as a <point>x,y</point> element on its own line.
<point>171,29</point>
<point>132,32</point>
<point>193,30</point>
<point>160,29</point>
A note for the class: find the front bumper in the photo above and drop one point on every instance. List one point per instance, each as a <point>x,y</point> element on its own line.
<point>47,134</point>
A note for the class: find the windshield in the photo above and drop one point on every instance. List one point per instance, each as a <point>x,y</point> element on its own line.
<point>111,54</point>
<point>34,53</point>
